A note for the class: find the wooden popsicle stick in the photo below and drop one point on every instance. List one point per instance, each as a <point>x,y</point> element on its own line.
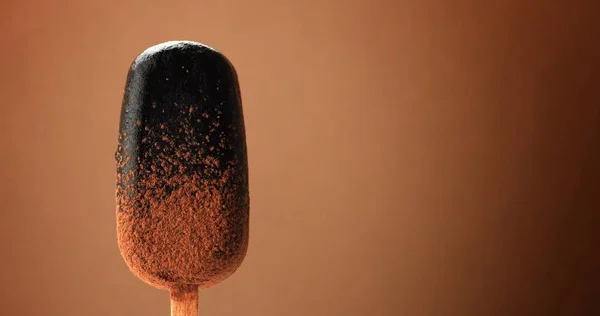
<point>184,302</point>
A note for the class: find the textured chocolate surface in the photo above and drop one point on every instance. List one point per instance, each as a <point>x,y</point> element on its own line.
<point>182,177</point>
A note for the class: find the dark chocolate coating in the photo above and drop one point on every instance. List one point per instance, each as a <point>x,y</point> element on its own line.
<point>182,122</point>
<point>177,82</point>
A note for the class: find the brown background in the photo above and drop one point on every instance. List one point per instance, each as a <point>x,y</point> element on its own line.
<point>407,157</point>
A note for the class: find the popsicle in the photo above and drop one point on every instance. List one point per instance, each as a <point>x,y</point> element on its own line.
<point>182,173</point>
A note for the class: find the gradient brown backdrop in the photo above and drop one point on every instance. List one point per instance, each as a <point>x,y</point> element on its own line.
<point>407,157</point>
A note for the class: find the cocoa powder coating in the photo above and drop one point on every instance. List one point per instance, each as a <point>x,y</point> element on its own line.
<point>182,179</point>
